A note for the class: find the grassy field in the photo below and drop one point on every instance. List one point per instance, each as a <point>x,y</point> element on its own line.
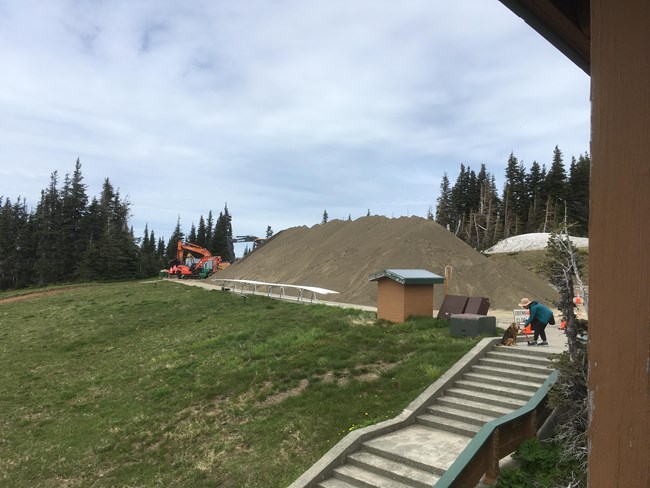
<point>158,384</point>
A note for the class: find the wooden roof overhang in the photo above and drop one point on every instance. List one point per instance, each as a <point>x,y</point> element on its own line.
<point>564,23</point>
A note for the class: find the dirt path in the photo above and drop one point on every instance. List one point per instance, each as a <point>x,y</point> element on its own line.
<point>38,294</point>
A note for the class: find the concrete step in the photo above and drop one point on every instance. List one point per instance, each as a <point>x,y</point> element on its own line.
<point>485,398</point>
<point>524,349</point>
<point>444,423</point>
<point>417,478</point>
<point>538,359</point>
<point>334,483</point>
<point>514,366</point>
<point>422,447</point>
<point>491,389</point>
<point>361,478</point>
<point>516,374</point>
<point>531,386</point>
<point>470,406</point>
<point>458,414</point>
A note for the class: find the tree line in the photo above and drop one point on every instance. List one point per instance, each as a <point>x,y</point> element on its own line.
<point>68,237</point>
<point>533,200</point>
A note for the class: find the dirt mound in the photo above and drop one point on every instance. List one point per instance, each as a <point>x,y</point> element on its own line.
<point>340,255</point>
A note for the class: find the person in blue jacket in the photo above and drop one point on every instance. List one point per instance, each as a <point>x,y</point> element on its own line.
<point>540,316</point>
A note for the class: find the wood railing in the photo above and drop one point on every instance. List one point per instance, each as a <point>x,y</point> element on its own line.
<point>496,440</point>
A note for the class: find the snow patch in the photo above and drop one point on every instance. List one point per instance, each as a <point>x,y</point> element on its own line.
<point>530,242</point>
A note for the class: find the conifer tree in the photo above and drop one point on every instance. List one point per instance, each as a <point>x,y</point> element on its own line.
<point>209,231</point>
<point>192,235</point>
<point>172,244</point>
<point>8,236</point>
<point>555,184</point>
<point>230,246</point>
<point>578,194</point>
<point>223,239</point>
<point>202,234</point>
<point>48,236</point>
<point>325,217</point>
<point>269,232</point>
<point>25,245</point>
<point>515,202</point>
<point>444,214</point>
<point>74,201</point>
<point>536,198</point>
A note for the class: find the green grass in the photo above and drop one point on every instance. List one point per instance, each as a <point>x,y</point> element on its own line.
<point>141,384</point>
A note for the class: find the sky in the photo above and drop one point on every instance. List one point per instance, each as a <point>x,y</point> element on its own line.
<point>280,109</point>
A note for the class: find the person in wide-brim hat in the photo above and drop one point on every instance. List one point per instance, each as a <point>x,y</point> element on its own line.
<point>524,302</point>
<point>540,316</point>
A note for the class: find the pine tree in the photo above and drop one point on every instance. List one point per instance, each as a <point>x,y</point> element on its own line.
<point>483,220</point>
<point>230,246</point>
<point>161,251</point>
<point>325,217</point>
<point>90,262</point>
<point>8,237</point>
<point>515,200</point>
<point>25,245</point>
<point>578,194</point>
<point>192,235</point>
<point>223,239</point>
<point>48,235</point>
<point>444,215</point>
<point>269,232</point>
<point>555,184</point>
<point>429,213</point>
<point>536,198</point>
<point>209,231</point>
<point>148,262</point>
<point>202,234</point>
<point>172,244</point>
<point>74,201</point>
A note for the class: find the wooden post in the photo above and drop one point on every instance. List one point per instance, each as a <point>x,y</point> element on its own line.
<point>448,271</point>
<point>493,459</point>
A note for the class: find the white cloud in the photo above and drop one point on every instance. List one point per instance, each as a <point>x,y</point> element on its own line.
<point>280,108</point>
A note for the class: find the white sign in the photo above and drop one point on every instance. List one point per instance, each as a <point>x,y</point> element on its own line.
<point>521,315</point>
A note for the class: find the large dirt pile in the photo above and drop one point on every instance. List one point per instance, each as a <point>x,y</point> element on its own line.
<point>340,255</point>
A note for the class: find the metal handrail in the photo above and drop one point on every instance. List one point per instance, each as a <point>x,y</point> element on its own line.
<point>495,440</point>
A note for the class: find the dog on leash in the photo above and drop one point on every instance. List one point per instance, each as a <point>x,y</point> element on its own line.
<point>510,335</point>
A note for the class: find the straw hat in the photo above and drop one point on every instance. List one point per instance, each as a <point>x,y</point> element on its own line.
<point>524,302</point>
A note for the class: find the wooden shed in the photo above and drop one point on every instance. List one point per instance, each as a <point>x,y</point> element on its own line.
<point>402,293</point>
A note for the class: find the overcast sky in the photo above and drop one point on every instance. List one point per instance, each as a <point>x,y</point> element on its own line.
<point>281,108</point>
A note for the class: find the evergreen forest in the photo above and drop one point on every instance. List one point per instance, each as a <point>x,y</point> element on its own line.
<point>533,200</point>
<point>69,237</point>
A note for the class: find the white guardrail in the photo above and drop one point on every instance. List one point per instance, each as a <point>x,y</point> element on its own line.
<point>253,285</point>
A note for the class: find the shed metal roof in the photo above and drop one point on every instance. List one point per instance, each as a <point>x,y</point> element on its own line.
<point>408,276</point>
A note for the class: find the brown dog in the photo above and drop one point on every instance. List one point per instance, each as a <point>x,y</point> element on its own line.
<point>510,335</point>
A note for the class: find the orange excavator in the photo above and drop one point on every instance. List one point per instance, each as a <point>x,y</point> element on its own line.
<point>192,266</point>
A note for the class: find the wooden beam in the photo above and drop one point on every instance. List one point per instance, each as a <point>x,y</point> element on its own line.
<point>569,36</point>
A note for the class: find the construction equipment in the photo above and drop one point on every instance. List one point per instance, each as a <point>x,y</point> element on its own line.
<point>257,241</point>
<point>190,266</point>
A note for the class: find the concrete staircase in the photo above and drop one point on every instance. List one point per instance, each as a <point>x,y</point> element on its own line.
<point>500,381</point>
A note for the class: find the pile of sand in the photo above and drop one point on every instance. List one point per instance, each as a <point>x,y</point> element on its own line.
<point>340,255</point>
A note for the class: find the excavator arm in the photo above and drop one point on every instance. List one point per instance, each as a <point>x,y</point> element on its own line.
<point>193,248</point>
